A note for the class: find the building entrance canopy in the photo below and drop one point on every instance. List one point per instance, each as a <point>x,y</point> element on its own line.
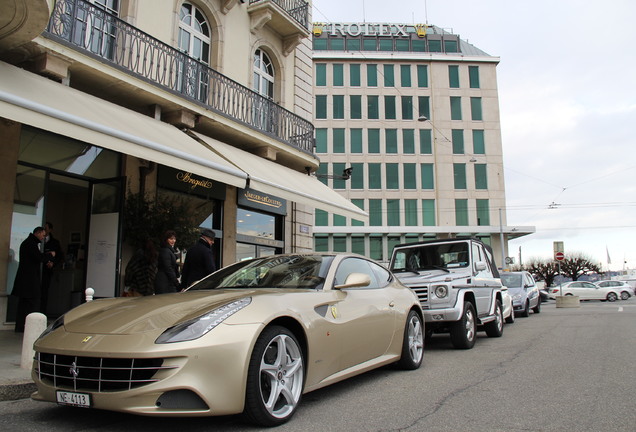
<point>39,102</point>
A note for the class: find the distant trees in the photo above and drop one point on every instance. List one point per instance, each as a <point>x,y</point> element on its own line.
<point>573,266</point>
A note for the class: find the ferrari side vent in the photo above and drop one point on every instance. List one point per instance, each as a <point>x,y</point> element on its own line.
<point>95,373</point>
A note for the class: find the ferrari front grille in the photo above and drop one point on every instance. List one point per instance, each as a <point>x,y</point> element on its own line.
<point>97,374</point>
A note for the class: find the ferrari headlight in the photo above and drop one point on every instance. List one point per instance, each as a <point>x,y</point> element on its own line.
<point>197,327</point>
<point>54,325</point>
<point>440,291</point>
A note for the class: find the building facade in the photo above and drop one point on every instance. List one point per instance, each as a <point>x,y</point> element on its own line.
<point>207,102</point>
<point>413,110</point>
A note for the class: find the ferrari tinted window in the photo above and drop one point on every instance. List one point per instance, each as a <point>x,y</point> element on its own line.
<point>383,275</point>
<point>355,265</point>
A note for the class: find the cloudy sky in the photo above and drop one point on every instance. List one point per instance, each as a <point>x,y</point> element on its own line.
<point>567,94</point>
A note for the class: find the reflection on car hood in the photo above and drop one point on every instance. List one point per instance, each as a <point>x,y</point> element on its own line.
<point>141,314</point>
<point>428,276</point>
<point>515,291</point>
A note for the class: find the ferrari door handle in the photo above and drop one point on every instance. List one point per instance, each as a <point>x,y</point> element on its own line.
<point>392,304</point>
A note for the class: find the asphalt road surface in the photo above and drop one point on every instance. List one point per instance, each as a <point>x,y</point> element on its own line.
<point>560,370</point>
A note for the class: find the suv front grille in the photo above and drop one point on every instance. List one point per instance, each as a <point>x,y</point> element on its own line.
<point>96,373</point>
<point>422,294</point>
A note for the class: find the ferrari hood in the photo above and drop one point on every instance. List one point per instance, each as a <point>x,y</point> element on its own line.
<point>142,314</point>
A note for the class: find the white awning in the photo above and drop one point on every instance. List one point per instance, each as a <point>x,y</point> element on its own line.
<point>31,99</point>
<point>269,177</point>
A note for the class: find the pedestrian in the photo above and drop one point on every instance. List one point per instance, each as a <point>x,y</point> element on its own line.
<point>199,261</point>
<point>27,285</point>
<point>167,280</point>
<point>141,270</point>
<point>50,244</point>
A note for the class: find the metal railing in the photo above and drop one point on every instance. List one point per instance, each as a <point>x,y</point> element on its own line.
<point>82,25</point>
<point>297,9</point>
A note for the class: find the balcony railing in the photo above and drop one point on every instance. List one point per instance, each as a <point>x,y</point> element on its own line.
<point>297,9</point>
<point>97,33</point>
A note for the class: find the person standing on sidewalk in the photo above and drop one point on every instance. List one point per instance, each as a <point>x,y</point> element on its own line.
<point>27,285</point>
<point>167,280</point>
<point>199,261</point>
<point>50,244</point>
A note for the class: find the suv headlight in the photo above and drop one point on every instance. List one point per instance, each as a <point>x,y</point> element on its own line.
<point>197,327</point>
<point>440,291</point>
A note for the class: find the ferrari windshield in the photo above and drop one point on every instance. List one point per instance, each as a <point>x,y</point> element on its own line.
<point>277,271</point>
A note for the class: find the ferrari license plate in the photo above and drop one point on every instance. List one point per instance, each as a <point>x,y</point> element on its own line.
<point>74,399</point>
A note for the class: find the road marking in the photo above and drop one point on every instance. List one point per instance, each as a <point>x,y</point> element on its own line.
<point>620,308</point>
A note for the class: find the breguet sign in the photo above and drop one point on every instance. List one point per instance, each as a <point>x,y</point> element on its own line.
<point>190,183</point>
<point>369,29</point>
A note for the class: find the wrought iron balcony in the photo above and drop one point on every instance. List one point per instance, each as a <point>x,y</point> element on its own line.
<point>297,9</point>
<point>97,33</point>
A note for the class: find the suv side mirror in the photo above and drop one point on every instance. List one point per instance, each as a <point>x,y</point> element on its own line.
<point>480,266</point>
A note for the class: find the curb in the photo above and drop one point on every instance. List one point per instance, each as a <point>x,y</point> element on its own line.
<point>16,390</point>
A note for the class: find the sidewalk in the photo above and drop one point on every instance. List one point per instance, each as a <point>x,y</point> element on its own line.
<point>15,382</point>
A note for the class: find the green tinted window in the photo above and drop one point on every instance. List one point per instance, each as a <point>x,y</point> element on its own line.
<point>372,75</point>
<point>392,176</point>
<point>428,212</point>
<point>357,244</point>
<point>373,107</point>
<point>375,212</point>
<point>475,108</point>
<point>481,176</point>
<point>479,144</point>
<point>423,107</point>
<point>375,247</point>
<point>405,75</point>
<point>321,140</point>
<point>354,75</point>
<point>418,45</point>
<point>357,176</point>
<point>339,241</point>
<point>426,141</point>
<point>408,141</point>
<point>356,140</point>
<point>355,222</point>
<point>390,136</point>
<point>422,76</point>
<point>393,212</point>
<point>450,46</point>
<point>386,44</point>
<point>456,107</point>
<point>338,74</point>
<point>458,141</point>
<point>402,45</point>
<point>320,44</point>
<point>321,243</point>
<point>459,175</point>
<point>339,183</point>
<point>407,108</point>
<point>410,212</point>
<point>353,44</point>
<point>389,75</point>
<point>355,102</point>
<point>453,76</point>
<point>461,212</point>
<point>389,107</point>
<point>369,44</point>
<point>428,180</point>
<point>374,140</point>
<point>435,45</point>
<point>323,170</point>
<point>473,76</point>
<point>321,74</point>
<point>339,140</point>
<point>336,44</point>
<point>410,180</point>
<point>483,212</point>
<point>321,218</point>
<point>338,106</point>
<point>321,106</point>
<point>375,176</point>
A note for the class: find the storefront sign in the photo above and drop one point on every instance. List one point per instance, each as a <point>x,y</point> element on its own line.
<point>184,181</point>
<point>260,201</point>
<point>369,29</point>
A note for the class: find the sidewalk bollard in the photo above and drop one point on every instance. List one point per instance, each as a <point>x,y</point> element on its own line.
<point>89,294</point>
<point>34,326</point>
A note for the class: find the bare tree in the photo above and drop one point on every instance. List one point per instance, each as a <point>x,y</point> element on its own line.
<point>543,269</point>
<point>577,264</point>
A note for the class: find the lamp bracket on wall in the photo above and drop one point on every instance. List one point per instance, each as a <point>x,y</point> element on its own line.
<point>346,174</point>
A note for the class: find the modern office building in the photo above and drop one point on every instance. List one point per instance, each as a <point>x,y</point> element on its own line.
<point>207,102</point>
<point>413,110</point>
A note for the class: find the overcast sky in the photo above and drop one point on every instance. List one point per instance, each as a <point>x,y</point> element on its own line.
<point>567,95</point>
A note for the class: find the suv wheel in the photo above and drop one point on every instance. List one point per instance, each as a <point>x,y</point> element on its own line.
<point>495,328</point>
<point>464,331</point>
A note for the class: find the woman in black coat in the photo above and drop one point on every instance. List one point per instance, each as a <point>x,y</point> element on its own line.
<point>167,280</point>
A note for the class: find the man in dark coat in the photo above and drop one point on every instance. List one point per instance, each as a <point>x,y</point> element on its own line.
<point>27,279</point>
<point>199,261</point>
<point>50,244</point>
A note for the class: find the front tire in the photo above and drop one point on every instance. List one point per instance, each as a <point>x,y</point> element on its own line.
<point>511,318</point>
<point>612,297</point>
<point>275,378</point>
<point>495,328</point>
<point>526,310</point>
<point>464,332</point>
<point>413,343</point>
<point>537,308</point>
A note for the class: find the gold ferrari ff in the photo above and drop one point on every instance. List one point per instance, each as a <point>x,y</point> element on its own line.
<point>250,338</point>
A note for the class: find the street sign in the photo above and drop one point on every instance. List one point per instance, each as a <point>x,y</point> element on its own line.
<point>559,256</point>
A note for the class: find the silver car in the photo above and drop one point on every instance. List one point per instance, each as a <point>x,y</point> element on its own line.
<point>524,292</point>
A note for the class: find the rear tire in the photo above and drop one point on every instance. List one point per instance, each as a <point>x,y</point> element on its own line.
<point>624,295</point>
<point>537,308</point>
<point>413,343</point>
<point>511,318</point>
<point>464,332</point>
<point>495,328</point>
<point>526,310</point>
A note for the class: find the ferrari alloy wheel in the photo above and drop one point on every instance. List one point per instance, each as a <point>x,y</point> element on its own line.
<point>275,378</point>
<point>464,331</point>
<point>413,344</point>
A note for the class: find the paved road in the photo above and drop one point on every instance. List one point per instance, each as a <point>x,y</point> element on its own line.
<point>561,370</point>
